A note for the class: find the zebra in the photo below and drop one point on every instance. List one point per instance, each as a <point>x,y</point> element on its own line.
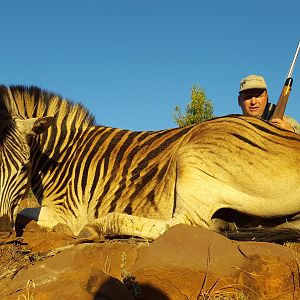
<point>97,178</point>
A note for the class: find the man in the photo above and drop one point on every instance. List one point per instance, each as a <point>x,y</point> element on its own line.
<point>253,98</point>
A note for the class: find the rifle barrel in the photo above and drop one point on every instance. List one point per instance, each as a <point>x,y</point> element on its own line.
<point>286,90</point>
<point>290,73</point>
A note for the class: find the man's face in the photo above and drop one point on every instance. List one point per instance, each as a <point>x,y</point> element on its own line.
<point>253,102</point>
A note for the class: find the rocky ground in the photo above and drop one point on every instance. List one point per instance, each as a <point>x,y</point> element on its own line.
<point>184,263</point>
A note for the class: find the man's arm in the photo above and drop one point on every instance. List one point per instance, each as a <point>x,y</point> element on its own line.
<point>287,123</point>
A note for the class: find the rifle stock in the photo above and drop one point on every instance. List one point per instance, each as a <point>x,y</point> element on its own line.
<point>283,99</point>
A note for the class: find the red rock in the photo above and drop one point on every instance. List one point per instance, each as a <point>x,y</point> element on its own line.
<point>184,258</point>
<point>184,263</point>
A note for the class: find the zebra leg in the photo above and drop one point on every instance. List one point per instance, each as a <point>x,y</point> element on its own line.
<point>123,224</point>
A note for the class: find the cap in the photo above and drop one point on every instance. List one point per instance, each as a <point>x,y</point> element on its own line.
<point>253,82</point>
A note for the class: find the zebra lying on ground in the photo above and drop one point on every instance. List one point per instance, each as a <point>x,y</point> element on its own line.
<point>229,169</point>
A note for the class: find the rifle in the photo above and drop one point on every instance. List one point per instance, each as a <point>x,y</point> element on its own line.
<point>273,111</point>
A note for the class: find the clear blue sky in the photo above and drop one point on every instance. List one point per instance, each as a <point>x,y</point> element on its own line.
<point>130,62</point>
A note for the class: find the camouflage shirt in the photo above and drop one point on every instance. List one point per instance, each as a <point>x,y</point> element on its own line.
<point>293,123</point>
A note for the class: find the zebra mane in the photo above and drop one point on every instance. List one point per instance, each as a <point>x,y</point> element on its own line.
<point>32,102</point>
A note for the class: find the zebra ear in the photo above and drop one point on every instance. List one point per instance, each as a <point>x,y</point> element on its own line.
<point>34,126</point>
<point>42,124</point>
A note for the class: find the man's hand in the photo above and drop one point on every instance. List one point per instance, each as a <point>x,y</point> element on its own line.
<point>282,123</point>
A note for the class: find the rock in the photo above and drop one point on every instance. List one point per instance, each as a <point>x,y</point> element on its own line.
<point>184,263</point>
<point>43,239</point>
<point>188,261</point>
<point>81,272</point>
<point>74,284</point>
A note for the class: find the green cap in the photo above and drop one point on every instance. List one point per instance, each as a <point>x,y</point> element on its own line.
<point>253,82</point>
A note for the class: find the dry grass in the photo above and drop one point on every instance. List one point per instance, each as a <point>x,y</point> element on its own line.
<point>30,288</point>
<point>223,294</point>
<point>129,280</point>
<point>227,292</point>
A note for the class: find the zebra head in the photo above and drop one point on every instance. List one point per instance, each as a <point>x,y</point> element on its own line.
<point>15,168</point>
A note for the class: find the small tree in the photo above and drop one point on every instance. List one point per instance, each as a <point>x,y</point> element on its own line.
<point>197,110</point>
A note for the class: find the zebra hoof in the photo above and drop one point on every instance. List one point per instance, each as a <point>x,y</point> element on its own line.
<point>89,234</point>
<point>4,235</point>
